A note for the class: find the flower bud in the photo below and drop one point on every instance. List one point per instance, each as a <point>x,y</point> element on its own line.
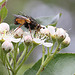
<point>7,46</point>
<point>27,39</point>
<point>65,42</point>
<point>18,33</point>
<point>4,27</point>
<point>60,34</point>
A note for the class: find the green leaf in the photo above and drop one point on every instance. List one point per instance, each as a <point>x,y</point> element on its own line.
<point>3,13</point>
<point>44,20</point>
<point>24,68</point>
<point>49,20</point>
<point>61,64</point>
<point>21,47</point>
<point>3,70</point>
<point>55,19</point>
<point>2,2</point>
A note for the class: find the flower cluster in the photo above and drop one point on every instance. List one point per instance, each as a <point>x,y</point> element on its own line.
<point>45,36</point>
<point>12,40</point>
<point>21,36</point>
<point>56,34</point>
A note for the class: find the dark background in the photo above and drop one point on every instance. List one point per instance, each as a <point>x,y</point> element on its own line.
<point>37,8</point>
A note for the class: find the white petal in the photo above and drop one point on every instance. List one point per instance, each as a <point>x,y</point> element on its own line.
<point>67,35</point>
<point>48,44</point>
<point>37,40</point>
<point>67,40</point>
<point>44,31</point>
<point>16,40</point>
<point>51,30</point>
<point>43,26</point>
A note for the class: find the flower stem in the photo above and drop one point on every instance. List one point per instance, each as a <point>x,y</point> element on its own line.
<point>51,48</point>
<point>4,58</point>
<point>15,57</point>
<point>8,64</point>
<point>30,52</point>
<point>47,51</point>
<point>20,58</point>
<point>1,54</point>
<point>27,55</point>
<point>8,70</point>
<point>43,53</point>
<point>11,61</point>
<point>22,61</point>
<point>48,59</point>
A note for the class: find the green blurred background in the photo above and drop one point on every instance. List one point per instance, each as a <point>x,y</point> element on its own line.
<point>37,8</point>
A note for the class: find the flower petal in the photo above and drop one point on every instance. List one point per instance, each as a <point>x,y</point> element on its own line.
<point>48,44</point>
<point>37,40</point>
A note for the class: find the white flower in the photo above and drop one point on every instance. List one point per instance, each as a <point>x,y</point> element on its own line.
<point>9,37</point>
<point>4,27</point>
<point>18,33</point>
<point>12,38</point>
<point>42,42</point>
<point>7,46</point>
<point>60,34</point>
<point>44,31</point>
